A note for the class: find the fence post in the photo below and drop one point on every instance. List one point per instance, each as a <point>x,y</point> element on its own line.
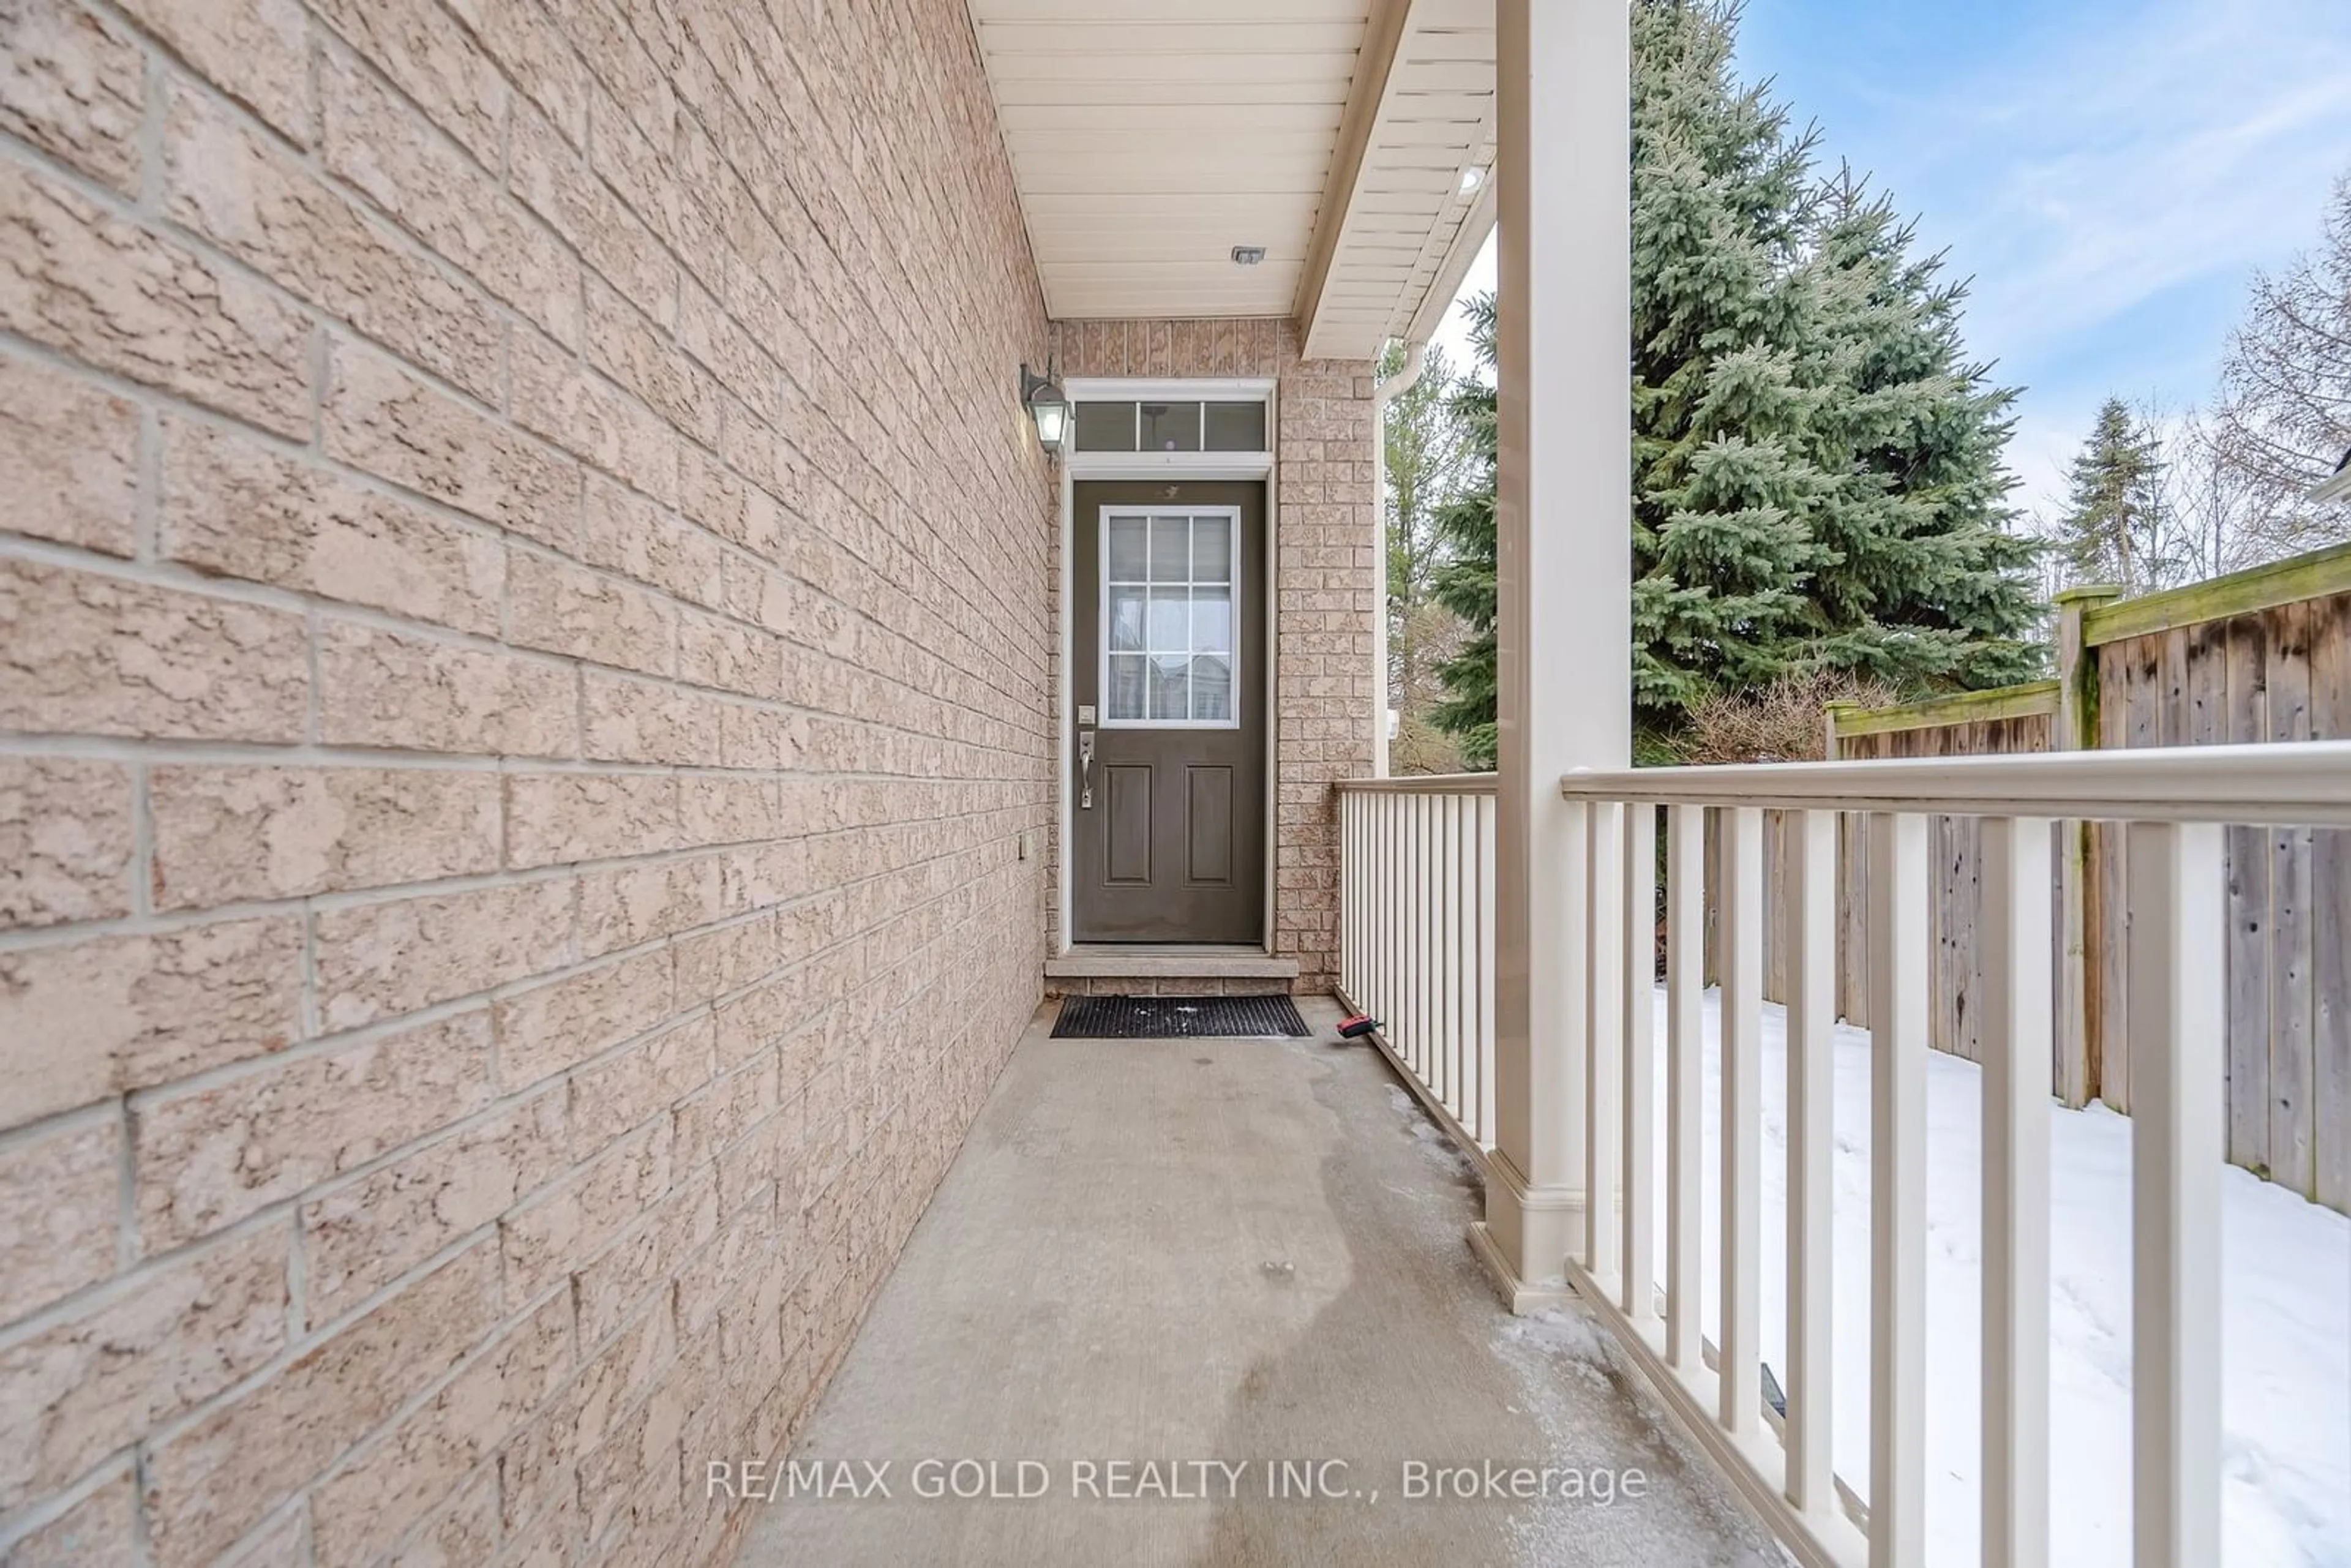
<point>2076,729</point>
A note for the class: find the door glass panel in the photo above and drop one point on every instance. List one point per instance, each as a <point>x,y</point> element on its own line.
<point>1171,686</point>
<point>1126,619</point>
<point>1171,549</point>
<point>1127,559</point>
<point>1125,696</point>
<point>1105,427</point>
<point>1212,688</point>
<point>1235,427</point>
<point>1212,550</point>
<point>1212,620</point>
<point>1171,427</point>
<point>1168,628</point>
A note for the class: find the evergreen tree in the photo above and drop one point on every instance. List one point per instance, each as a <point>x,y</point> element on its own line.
<point>2113,529</point>
<point>1466,583</point>
<point>1818,482</point>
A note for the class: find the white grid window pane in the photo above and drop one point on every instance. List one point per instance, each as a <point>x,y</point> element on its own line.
<point>1171,549</point>
<point>1127,556</point>
<point>1212,620</point>
<point>1126,618</point>
<point>1212,550</point>
<point>1167,620</point>
<point>1126,698</point>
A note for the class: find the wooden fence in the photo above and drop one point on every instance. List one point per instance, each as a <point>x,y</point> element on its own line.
<point>2257,656</point>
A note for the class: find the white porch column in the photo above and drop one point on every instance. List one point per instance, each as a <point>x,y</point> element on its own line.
<point>1565,585</point>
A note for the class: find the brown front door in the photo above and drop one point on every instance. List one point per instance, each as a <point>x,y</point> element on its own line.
<point>1169,652</point>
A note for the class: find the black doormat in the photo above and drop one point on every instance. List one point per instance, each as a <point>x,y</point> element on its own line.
<point>1177,1018</point>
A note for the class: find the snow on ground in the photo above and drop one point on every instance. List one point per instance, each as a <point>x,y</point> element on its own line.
<point>2286,1319</point>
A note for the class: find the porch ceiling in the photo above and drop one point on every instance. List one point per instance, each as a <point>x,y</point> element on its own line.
<point>1148,138</point>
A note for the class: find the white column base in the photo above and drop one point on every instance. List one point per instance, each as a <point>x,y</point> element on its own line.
<point>1527,1236</point>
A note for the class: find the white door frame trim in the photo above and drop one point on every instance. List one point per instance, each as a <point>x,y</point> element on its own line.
<point>1246,466</point>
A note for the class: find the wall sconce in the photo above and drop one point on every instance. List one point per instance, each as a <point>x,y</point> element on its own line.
<point>1048,406</point>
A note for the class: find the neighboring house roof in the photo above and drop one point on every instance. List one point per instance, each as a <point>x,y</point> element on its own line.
<point>2338,488</point>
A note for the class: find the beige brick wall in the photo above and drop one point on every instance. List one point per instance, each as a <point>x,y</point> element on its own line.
<point>522,674</point>
<point>1325,585</point>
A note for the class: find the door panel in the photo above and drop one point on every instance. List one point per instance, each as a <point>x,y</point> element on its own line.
<point>1128,806</point>
<point>1208,826</point>
<point>1172,848</point>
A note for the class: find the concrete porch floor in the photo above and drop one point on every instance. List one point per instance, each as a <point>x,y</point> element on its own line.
<point>1234,1251</point>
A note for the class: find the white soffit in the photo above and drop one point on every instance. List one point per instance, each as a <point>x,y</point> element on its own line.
<point>1404,229</point>
<point>1150,137</point>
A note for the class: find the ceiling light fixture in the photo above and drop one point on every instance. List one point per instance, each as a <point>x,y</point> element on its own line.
<point>1248,254</point>
<point>1471,178</point>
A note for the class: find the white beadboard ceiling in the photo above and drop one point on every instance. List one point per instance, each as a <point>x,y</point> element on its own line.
<point>1150,137</point>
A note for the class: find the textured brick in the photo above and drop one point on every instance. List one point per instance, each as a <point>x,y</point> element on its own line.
<point>107,292</point>
<point>207,1159</point>
<point>60,1194</point>
<point>630,535</point>
<point>376,142</point>
<point>628,1089</point>
<point>631,904</point>
<point>552,1027</point>
<point>559,1230</point>
<point>564,609</point>
<point>68,459</point>
<point>553,818</point>
<point>640,721</point>
<point>89,1020</point>
<point>99,655</point>
<point>234,507</point>
<point>356,1515</point>
<point>94,1382</point>
<point>66,841</point>
<point>379,688</point>
<point>381,419</point>
<point>71,84</point>
<point>254,50</point>
<point>230,183</point>
<point>227,834</point>
<point>628,347</point>
<point>361,1236</point>
<point>550,175</point>
<point>375,960</point>
<point>102,1530</point>
<point>213,1482</point>
<point>435,64</point>
<point>559,398</point>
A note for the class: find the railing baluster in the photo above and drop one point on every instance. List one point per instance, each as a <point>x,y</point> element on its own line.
<point>1639,1266</point>
<point>1442,1033</point>
<point>1420,934</point>
<point>1603,1029</point>
<point>2017,1040</point>
<point>2177,1019</point>
<point>1685,1081</point>
<point>1900,976</point>
<point>1811,1010</point>
<point>1489,812</point>
<point>1740,1393</point>
<point>1464,955</point>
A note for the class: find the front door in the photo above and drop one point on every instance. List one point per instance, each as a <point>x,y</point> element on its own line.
<point>1169,679</point>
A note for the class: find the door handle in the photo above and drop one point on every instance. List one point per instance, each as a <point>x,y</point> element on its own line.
<point>1085,770</point>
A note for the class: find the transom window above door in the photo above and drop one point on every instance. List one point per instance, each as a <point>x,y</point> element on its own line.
<point>1152,424</point>
<point>1168,657</point>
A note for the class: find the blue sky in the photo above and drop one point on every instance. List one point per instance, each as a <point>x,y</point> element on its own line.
<point>2108,173</point>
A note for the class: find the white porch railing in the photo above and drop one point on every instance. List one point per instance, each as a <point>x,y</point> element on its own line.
<point>1414,906</point>
<point>1416,939</point>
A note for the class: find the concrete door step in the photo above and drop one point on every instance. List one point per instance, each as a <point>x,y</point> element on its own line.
<point>1167,969</point>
